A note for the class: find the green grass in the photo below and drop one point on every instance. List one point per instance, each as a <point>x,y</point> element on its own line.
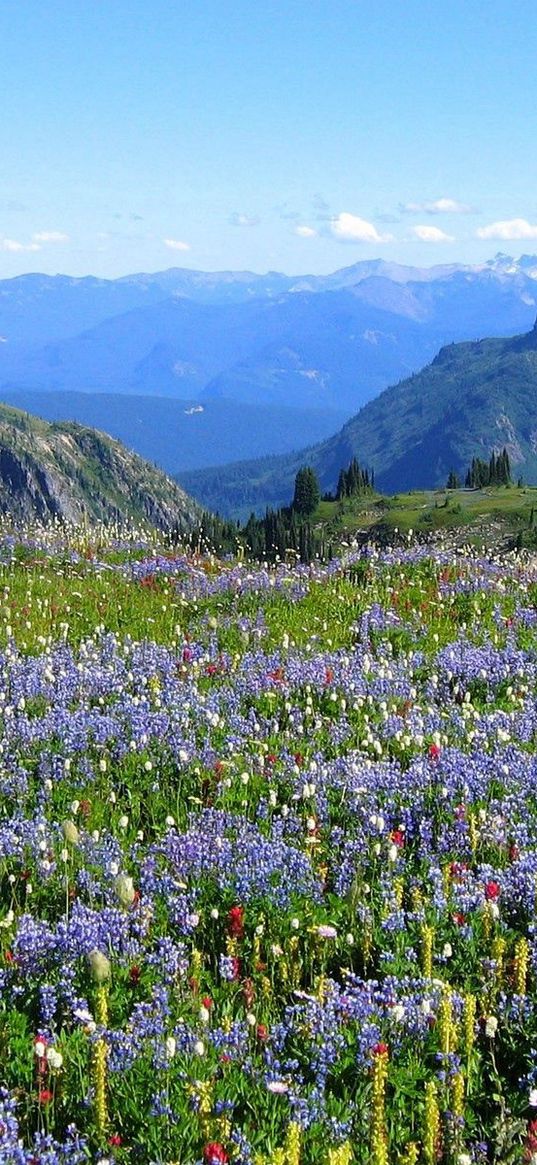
<point>505,509</point>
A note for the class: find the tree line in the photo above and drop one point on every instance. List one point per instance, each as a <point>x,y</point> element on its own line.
<point>480,474</point>
<point>286,529</point>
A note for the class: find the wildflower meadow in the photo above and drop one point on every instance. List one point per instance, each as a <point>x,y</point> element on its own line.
<point>268,856</point>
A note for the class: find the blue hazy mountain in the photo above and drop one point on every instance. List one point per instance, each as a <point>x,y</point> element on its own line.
<point>324,350</point>
<point>174,432</point>
<point>328,343</point>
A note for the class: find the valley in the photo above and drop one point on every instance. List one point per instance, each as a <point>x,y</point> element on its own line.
<point>297,354</point>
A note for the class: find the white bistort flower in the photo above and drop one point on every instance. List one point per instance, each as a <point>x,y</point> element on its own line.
<point>491,1026</point>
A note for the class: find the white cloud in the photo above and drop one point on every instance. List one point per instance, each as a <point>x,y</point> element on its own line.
<point>350,228</point>
<point>14,245</point>
<point>38,238</point>
<point>244,220</point>
<point>431,235</point>
<point>306,232</point>
<point>437,206</point>
<point>513,228</point>
<point>50,237</point>
<point>176,245</point>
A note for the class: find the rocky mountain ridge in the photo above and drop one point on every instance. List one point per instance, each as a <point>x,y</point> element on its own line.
<point>74,473</point>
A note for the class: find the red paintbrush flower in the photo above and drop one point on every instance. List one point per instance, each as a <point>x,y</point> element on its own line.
<point>215,1154</point>
<point>530,1144</point>
<point>236,921</point>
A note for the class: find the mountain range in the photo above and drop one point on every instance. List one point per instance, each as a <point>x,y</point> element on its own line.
<point>274,361</point>
<point>473,398</point>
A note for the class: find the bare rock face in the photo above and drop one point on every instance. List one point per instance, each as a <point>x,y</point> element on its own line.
<point>73,473</point>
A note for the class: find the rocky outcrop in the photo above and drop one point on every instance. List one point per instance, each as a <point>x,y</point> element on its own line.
<point>73,473</point>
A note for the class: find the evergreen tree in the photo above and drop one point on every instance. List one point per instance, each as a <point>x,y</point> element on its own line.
<point>307,493</point>
<point>353,481</point>
<point>341,491</point>
<point>504,468</point>
<point>306,542</point>
<point>496,472</point>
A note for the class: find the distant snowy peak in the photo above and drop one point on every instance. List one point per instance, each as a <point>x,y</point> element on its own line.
<point>506,264</point>
<point>347,277</point>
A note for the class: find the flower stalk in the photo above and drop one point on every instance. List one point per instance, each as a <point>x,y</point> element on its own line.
<point>431,1125</point>
<point>379,1135</point>
<point>293,1144</point>
<point>521,966</point>
<point>427,943</point>
<point>100,1056</point>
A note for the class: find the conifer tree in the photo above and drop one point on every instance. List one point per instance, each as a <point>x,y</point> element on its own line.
<point>307,493</point>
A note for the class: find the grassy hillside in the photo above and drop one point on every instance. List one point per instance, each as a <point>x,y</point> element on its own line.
<point>494,517</point>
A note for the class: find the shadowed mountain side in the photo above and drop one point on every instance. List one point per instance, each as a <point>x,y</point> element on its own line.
<point>473,398</point>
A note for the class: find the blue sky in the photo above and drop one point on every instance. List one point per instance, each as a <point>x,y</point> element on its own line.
<point>292,135</point>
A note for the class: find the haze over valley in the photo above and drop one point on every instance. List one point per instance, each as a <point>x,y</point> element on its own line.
<point>196,369</point>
